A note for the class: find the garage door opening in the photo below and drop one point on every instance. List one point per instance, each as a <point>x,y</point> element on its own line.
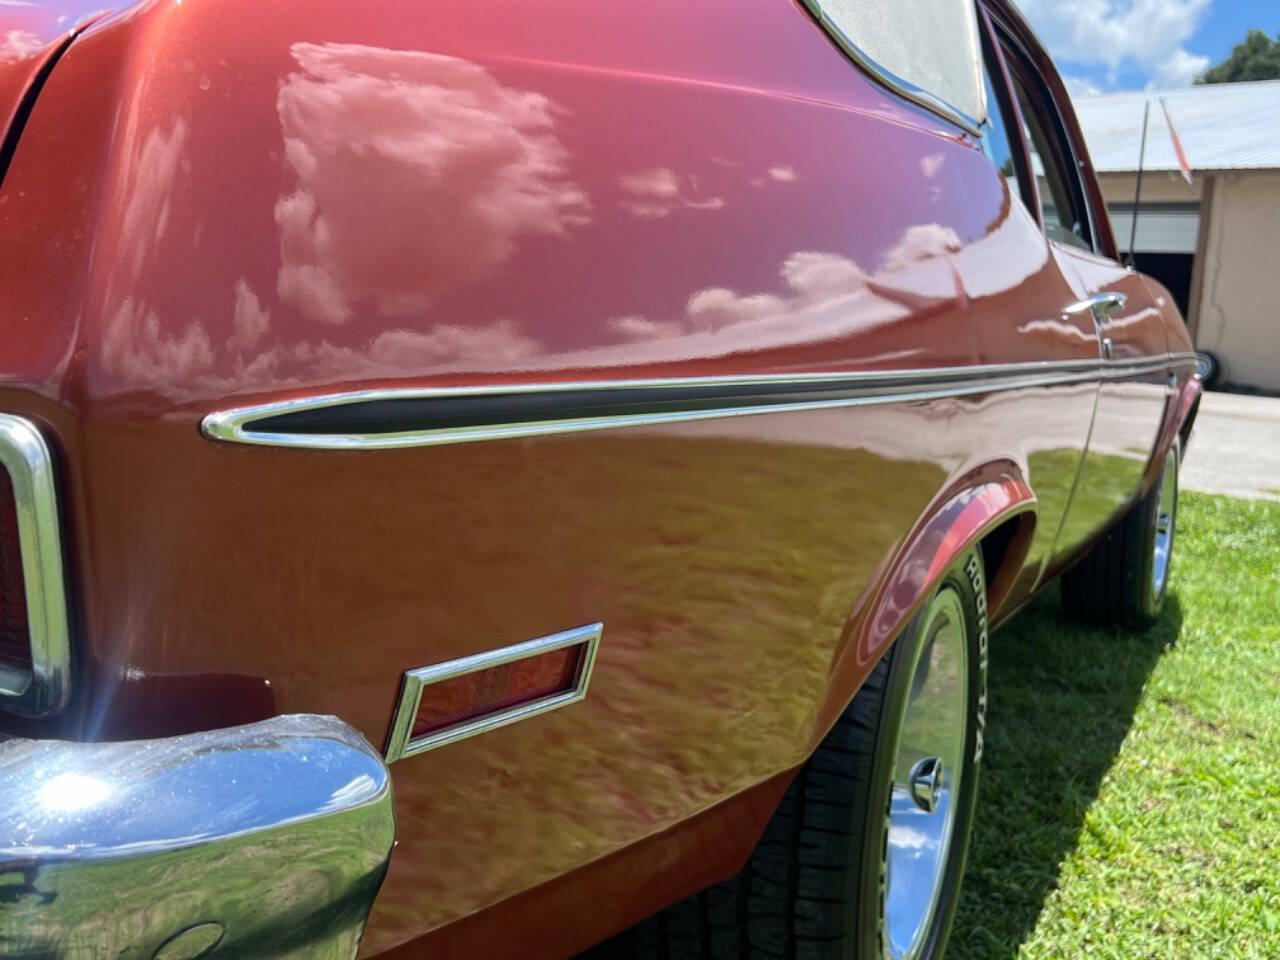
<point>1171,269</point>
<point>1166,243</point>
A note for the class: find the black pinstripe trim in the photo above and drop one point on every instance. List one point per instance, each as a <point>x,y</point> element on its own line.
<point>371,419</point>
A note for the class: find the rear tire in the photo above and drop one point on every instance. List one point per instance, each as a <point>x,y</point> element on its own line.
<point>1207,368</point>
<point>1123,578</point>
<point>837,872</point>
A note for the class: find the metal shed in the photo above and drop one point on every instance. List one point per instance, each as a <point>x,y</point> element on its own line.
<point>1216,245</point>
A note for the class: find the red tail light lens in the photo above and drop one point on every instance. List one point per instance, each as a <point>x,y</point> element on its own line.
<point>15,635</point>
<point>35,655</point>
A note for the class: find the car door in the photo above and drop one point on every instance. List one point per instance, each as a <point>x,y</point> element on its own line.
<point>1113,301</point>
<point>1021,293</point>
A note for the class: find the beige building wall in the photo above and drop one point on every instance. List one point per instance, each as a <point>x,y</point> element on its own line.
<point>1237,315</point>
<point>1158,186</point>
<point>1235,291</point>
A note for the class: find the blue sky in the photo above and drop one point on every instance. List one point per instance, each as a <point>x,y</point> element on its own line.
<point>1106,45</point>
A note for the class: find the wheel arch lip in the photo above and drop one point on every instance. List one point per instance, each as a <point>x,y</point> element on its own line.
<point>959,518</point>
<point>1181,408</point>
<point>1187,408</point>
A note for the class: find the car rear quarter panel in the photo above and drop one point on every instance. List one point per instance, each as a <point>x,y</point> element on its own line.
<point>31,37</point>
<point>1186,388</point>
<point>202,215</point>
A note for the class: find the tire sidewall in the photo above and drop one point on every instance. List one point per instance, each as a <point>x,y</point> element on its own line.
<point>1152,599</point>
<point>967,578</point>
<point>1207,368</point>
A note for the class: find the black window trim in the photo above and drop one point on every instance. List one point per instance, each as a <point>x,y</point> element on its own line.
<point>1008,45</point>
<point>998,74</point>
<point>905,89</point>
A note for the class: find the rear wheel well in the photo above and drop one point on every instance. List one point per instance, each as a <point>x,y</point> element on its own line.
<point>1003,549</point>
<point>1184,428</point>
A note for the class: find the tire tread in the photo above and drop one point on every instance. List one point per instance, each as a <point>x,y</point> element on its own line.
<point>1108,587</point>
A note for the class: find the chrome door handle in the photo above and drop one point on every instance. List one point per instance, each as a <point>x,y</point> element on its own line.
<point>1101,305</point>
<point>1105,303</point>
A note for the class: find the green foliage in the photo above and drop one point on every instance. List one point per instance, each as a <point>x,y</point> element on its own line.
<point>1256,57</point>
<point>1129,804</point>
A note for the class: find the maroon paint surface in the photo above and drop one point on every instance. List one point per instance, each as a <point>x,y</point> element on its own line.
<point>30,35</point>
<point>351,196</point>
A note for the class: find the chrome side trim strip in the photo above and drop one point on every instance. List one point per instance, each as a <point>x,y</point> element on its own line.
<point>46,686</point>
<point>400,741</point>
<point>904,88</point>
<point>687,399</point>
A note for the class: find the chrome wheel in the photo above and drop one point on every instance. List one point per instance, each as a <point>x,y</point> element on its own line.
<point>1166,515</point>
<point>926,779</point>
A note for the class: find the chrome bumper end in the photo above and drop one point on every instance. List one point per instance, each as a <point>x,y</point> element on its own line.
<point>266,840</point>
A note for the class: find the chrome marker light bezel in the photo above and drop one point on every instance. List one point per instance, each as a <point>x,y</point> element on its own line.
<point>47,685</point>
<point>401,742</point>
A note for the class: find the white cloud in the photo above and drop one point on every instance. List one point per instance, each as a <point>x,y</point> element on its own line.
<point>499,342</point>
<point>18,45</point>
<point>931,164</point>
<point>1179,70</point>
<point>654,194</point>
<point>635,327</point>
<point>822,276</point>
<point>415,173</point>
<point>718,307</point>
<point>251,319</point>
<point>139,349</point>
<point>1080,86</point>
<point>661,182</point>
<point>922,242</point>
<point>1148,34</point>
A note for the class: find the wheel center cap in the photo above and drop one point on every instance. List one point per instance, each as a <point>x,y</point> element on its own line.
<point>926,783</point>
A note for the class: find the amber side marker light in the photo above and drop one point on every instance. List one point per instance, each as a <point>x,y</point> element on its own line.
<point>461,698</point>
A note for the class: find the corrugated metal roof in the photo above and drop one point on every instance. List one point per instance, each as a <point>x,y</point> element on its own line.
<point>1223,126</point>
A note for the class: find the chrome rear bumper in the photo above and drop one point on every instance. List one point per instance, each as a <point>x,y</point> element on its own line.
<point>265,840</point>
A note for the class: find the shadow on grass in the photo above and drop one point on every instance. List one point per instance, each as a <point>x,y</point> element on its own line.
<point>1062,697</point>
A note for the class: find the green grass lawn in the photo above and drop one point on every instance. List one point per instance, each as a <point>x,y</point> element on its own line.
<point>1130,796</point>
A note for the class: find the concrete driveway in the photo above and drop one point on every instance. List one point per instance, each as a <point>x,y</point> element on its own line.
<point>1235,447</point>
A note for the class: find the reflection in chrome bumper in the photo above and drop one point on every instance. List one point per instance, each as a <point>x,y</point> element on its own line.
<point>264,840</point>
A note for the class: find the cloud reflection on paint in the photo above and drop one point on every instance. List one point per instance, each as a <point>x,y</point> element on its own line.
<point>922,242</point>
<point>409,175</point>
<point>137,346</point>
<point>827,296</point>
<point>414,172</point>
<point>654,194</point>
<point>18,45</point>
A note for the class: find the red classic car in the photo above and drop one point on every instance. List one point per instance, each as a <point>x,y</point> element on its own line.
<point>630,418</point>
